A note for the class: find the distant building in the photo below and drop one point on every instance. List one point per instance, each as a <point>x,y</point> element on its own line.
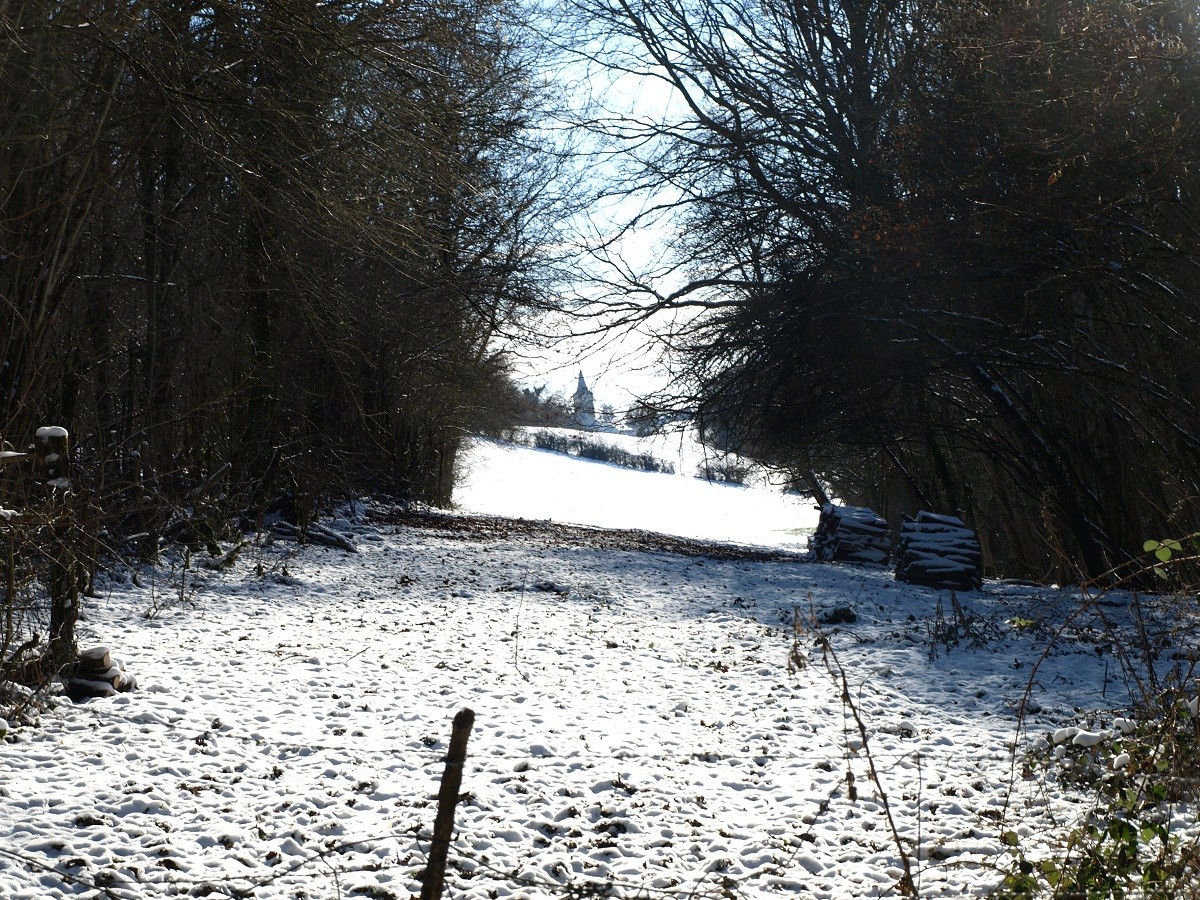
<point>583,404</point>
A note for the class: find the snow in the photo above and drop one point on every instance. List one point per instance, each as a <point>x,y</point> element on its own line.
<point>1087,738</point>
<point>593,493</point>
<point>49,432</point>
<point>646,722</point>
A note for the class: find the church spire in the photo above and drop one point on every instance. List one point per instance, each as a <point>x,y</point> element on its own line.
<point>584,404</point>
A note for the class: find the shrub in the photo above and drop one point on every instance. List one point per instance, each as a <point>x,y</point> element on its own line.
<point>725,471</point>
<point>1138,770</point>
<point>599,451</point>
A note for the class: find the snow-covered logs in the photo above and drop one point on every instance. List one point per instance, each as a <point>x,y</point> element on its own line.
<point>939,551</point>
<point>850,534</point>
<point>98,675</point>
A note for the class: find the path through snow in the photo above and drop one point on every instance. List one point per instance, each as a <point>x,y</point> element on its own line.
<point>637,727</point>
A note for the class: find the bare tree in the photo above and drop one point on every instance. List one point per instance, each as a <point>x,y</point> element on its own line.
<point>280,236</point>
<point>920,236</point>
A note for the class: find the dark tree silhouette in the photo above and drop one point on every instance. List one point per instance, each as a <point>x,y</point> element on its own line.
<point>940,254</point>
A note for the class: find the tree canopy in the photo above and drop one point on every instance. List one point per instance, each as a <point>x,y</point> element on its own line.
<point>279,236</point>
<point>946,253</point>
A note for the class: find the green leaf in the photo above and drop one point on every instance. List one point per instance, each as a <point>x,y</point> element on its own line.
<point>1016,885</point>
<point>1154,874</point>
<point>1161,572</point>
<point>1155,830</point>
<point>1050,871</point>
<point>1162,549</point>
<point>1010,839</point>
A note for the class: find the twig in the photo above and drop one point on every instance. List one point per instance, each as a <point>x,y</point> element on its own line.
<point>517,630</point>
<point>907,885</point>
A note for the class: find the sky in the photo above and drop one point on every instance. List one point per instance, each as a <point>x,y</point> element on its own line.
<point>619,369</point>
<point>620,365</point>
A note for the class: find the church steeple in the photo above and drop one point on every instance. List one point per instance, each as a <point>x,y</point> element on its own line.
<point>583,403</point>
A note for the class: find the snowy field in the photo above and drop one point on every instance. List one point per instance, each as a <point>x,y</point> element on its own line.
<point>506,480</point>
<point>639,730</point>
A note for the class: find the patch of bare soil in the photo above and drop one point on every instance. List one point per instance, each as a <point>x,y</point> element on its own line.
<point>467,527</point>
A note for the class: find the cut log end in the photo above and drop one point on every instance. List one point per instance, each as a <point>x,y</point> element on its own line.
<point>98,675</point>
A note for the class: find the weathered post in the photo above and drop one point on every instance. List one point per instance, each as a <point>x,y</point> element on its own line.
<point>51,445</point>
<point>8,457</point>
<point>443,826</point>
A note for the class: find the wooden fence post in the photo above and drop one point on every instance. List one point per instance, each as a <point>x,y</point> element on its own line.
<point>443,826</point>
<point>51,444</point>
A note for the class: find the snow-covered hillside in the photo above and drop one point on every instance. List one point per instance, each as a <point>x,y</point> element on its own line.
<point>503,479</point>
<point>648,724</point>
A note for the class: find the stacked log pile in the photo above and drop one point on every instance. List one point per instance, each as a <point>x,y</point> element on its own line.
<point>850,534</point>
<point>939,551</point>
<point>98,675</point>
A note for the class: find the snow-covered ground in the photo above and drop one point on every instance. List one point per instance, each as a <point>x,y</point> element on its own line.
<point>641,724</point>
<point>503,479</point>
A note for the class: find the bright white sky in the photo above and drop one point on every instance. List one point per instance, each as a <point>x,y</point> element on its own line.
<point>619,366</point>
